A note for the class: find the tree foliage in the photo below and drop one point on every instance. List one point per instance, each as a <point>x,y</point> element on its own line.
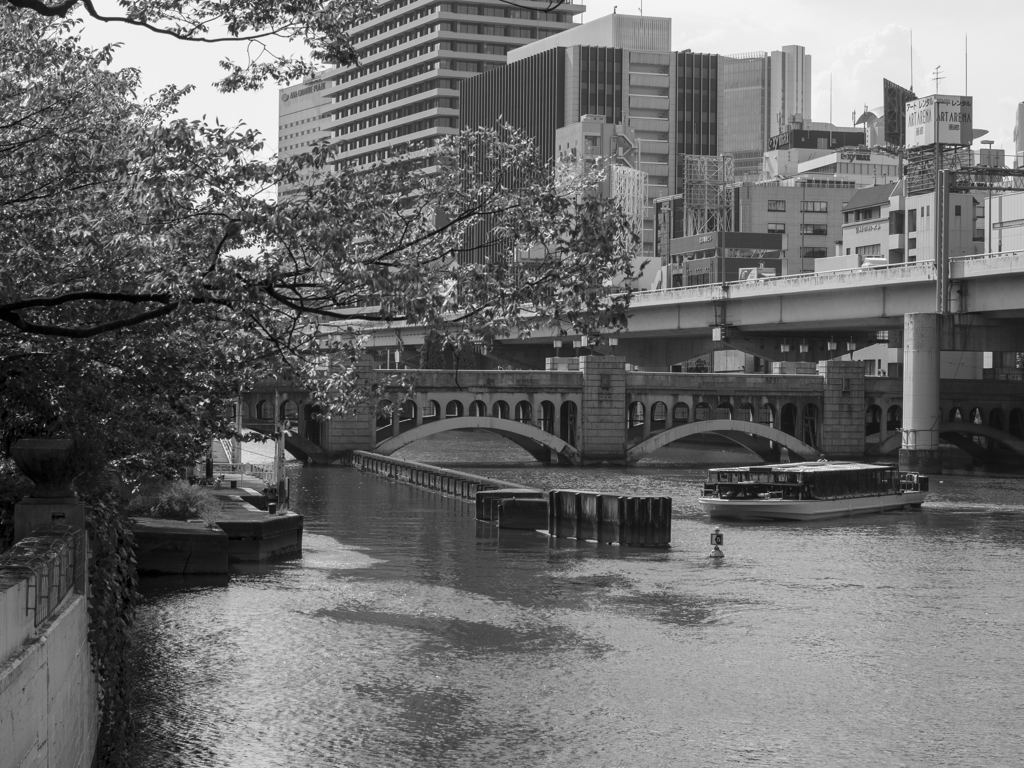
<point>149,272</point>
<point>264,27</point>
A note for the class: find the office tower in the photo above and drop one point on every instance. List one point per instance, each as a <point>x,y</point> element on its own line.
<point>1018,137</point>
<point>412,57</point>
<point>622,70</point>
<point>761,94</point>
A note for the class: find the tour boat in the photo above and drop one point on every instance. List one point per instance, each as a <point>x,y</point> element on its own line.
<point>808,490</point>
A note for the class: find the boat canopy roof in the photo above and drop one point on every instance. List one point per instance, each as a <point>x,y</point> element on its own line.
<point>806,466</point>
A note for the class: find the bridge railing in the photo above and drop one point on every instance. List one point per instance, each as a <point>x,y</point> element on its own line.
<point>922,271</point>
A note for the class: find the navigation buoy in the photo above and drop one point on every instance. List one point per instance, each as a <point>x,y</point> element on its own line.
<point>717,540</point>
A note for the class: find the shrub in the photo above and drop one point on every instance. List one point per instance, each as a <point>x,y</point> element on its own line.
<point>182,501</point>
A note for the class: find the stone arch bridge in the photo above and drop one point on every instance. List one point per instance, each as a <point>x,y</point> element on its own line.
<point>594,410</point>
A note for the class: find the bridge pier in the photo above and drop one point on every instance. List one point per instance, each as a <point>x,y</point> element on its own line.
<point>922,413</point>
<point>602,425</point>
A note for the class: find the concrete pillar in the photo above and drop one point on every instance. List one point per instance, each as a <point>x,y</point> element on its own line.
<point>921,408</point>
<point>646,428</point>
<point>842,418</point>
<point>602,413</point>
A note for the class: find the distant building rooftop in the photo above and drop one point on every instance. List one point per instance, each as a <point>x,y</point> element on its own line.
<point>634,33</point>
<point>869,197</point>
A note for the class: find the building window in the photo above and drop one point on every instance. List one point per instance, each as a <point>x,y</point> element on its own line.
<point>869,250</point>
<point>896,222</point>
<point>776,205</point>
<point>911,243</point>
<point>912,220</point>
<point>777,228</point>
<point>813,206</point>
<point>814,229</point>
<point>813,253</point>
<point>956,210</point>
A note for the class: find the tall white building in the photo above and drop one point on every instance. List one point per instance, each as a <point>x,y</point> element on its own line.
<point>761,93</point>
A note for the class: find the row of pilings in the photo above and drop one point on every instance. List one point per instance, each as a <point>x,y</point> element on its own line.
<point>644,521</point>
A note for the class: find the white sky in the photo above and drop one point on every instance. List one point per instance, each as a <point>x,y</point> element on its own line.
<point>857,46</point>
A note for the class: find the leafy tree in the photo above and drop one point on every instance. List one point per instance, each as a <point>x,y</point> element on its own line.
<point>149,273</point>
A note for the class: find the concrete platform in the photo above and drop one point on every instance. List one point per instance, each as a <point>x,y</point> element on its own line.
<point>176,547</point>
<point>254,536</point>
<point>244,535</point>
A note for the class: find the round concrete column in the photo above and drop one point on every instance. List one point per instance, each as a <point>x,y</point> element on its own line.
<point>921,416</point>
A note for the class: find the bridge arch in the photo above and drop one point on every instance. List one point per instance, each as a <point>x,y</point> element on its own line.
<point>536,441</point>
<point>524,412</point>
<point>960,434</point>
<point>749,434</point>
<point>680,413</point>
<point>963,435</point>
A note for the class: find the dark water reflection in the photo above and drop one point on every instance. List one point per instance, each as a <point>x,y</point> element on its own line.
<point>409,634</point>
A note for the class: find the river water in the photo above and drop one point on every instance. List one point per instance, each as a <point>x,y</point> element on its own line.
<point>411,635</point>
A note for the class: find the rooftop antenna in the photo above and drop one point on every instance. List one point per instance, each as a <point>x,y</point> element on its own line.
<point>911,60</point>
<point>938,76</point>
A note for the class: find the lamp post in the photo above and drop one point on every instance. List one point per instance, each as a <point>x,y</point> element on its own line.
<point>988,212</point>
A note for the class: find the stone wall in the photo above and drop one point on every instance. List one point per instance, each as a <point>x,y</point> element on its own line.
<point>48,707</point>
<point>49,712</point>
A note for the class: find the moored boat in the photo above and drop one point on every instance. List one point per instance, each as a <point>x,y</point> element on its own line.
<point>817,490</point>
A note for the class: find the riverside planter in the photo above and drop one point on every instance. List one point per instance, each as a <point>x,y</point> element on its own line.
<point>47,462</point>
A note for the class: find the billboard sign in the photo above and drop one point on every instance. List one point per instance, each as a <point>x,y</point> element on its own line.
<point>942,119</point>
<point>894,109</point>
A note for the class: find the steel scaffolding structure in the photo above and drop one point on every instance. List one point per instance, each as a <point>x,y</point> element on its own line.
<point>706,198</point>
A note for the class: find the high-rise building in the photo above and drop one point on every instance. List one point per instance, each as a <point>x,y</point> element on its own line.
<point>412,57</point>
<point>1018,137</point>
<point>762,93</point>
<point>622,69</point>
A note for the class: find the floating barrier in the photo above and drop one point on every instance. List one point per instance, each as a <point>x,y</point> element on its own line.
<point>462,485</point>
<point>639,521</point>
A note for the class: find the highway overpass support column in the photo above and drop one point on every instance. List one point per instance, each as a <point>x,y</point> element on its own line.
<point>602,430</point>
<point>921,409</point>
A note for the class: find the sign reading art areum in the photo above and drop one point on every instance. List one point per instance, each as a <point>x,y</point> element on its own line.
<point>942,119</point>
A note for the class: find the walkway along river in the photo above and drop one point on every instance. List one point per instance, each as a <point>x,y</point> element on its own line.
<point>411,635</point>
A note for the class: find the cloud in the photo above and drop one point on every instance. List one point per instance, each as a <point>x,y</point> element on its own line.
<point>857,70</point>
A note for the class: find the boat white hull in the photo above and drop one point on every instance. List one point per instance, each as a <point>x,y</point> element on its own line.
<point>809,509</point>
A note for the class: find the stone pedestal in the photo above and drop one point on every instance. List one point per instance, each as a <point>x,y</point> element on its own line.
<point>49,463</point>
<point>922,412</point>
<point>33,513</point>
